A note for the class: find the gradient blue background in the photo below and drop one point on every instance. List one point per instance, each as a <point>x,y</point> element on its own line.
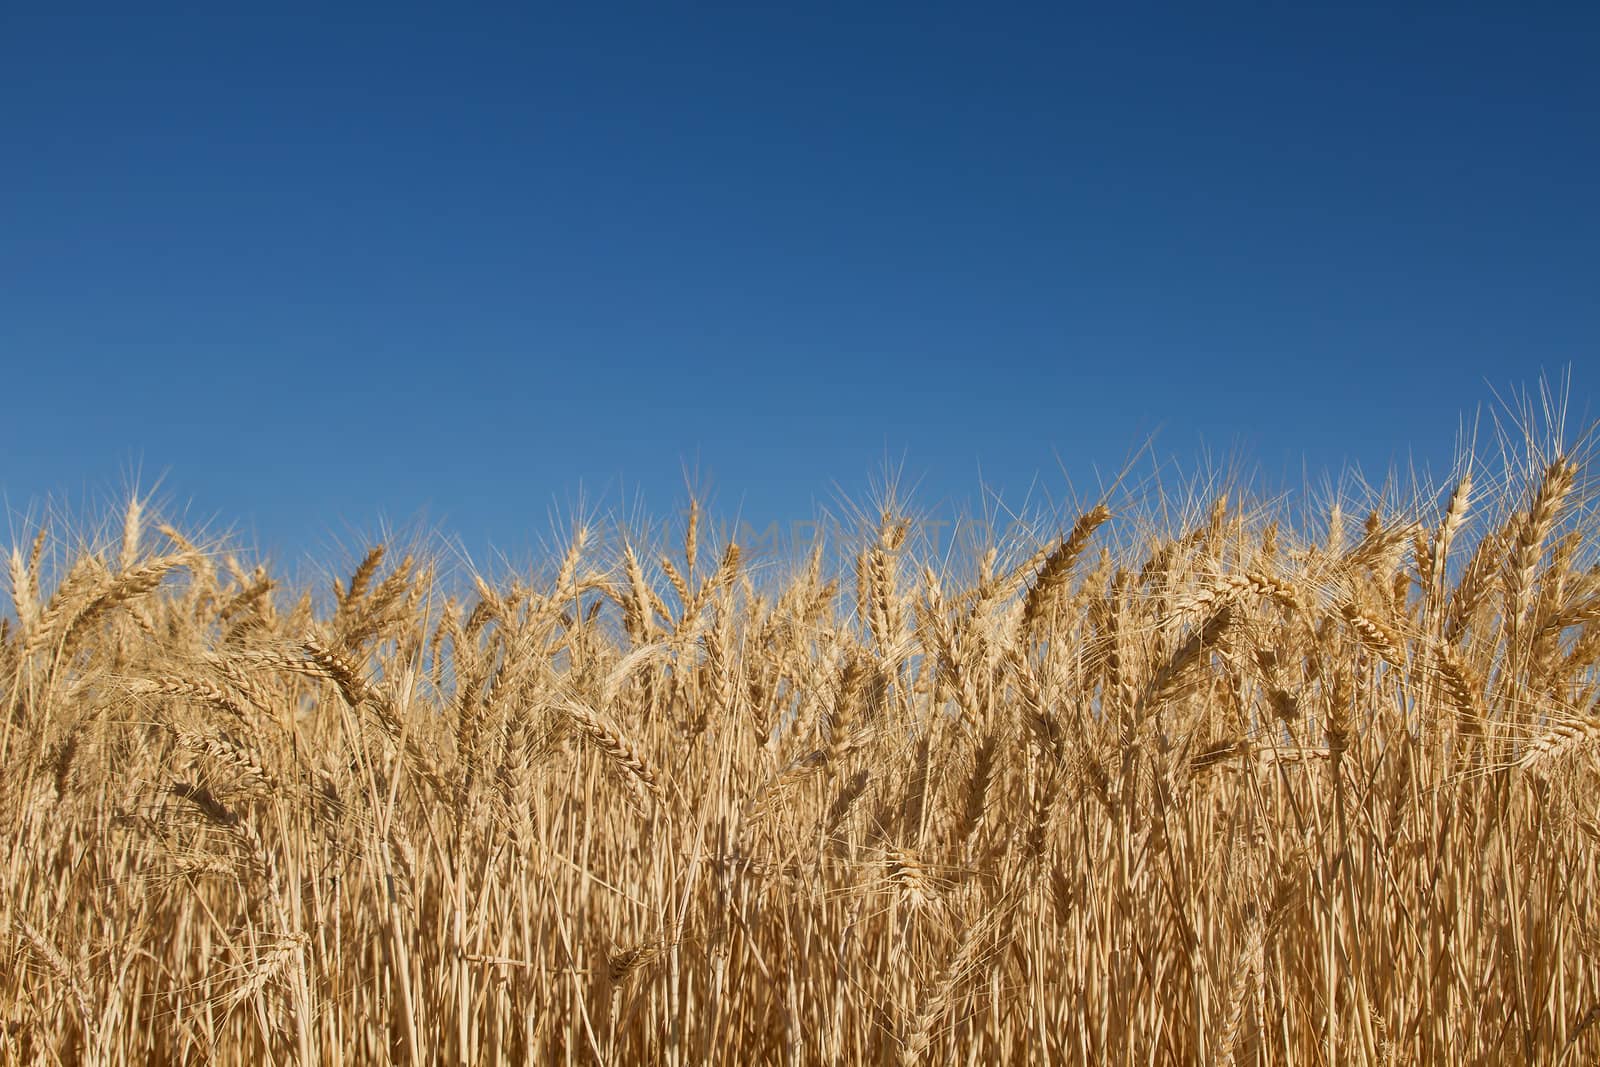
<point>309,271</point>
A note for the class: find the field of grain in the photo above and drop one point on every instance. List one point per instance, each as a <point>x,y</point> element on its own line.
<point>1191,778</point>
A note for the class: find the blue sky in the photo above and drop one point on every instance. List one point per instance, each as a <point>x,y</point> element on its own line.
<point>311,272</point>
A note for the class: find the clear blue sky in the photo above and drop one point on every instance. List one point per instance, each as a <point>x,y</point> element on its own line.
<point>314,271</point>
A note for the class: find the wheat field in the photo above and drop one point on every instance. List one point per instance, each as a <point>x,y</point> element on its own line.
<point>1182,778</point>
